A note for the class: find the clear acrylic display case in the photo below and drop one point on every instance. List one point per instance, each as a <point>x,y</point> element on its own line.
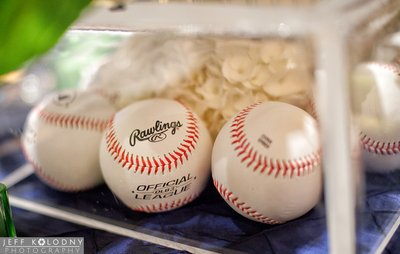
<point>358,204</point>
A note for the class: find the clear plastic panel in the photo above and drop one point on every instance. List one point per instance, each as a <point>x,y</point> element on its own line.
<point>374,88</point>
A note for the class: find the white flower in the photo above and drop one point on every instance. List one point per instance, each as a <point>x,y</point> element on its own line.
<point>271,51</point>
<point>237,68</point>
<point>296,81</point>
<point>211,92</point>
<point>298,54</point>
<point>259,77</point>
<point>148,63</point>
<point>278,68</point>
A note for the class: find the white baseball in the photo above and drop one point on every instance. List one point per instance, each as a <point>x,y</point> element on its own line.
<point>379,115</point>
<point>62,136</point>
<point>155,156</point>
<point>266,162</point>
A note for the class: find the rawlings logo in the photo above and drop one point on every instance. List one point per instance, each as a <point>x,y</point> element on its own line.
<point>156,133</point>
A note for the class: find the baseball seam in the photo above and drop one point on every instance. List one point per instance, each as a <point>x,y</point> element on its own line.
<point>379,147</point>
<point>73,121</point>
<point>152,164</point>
<point>249,156</point>
<point>245,208</point>
<point>50,180</point>
<point>165,206</point>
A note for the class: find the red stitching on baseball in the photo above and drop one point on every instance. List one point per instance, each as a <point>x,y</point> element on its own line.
<point>378,147</point>
<point>161,207</point>
<point>234,200</point>
<point>73,121</point>
<point>152,164</point>
<point>254,161</point>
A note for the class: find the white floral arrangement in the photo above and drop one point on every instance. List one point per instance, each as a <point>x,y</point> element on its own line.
<point>216,77</point>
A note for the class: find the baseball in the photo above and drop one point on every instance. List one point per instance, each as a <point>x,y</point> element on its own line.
<point>379,115</point>
<point>62,136</point>
<point>266,163</point>
<point>155,156</point>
